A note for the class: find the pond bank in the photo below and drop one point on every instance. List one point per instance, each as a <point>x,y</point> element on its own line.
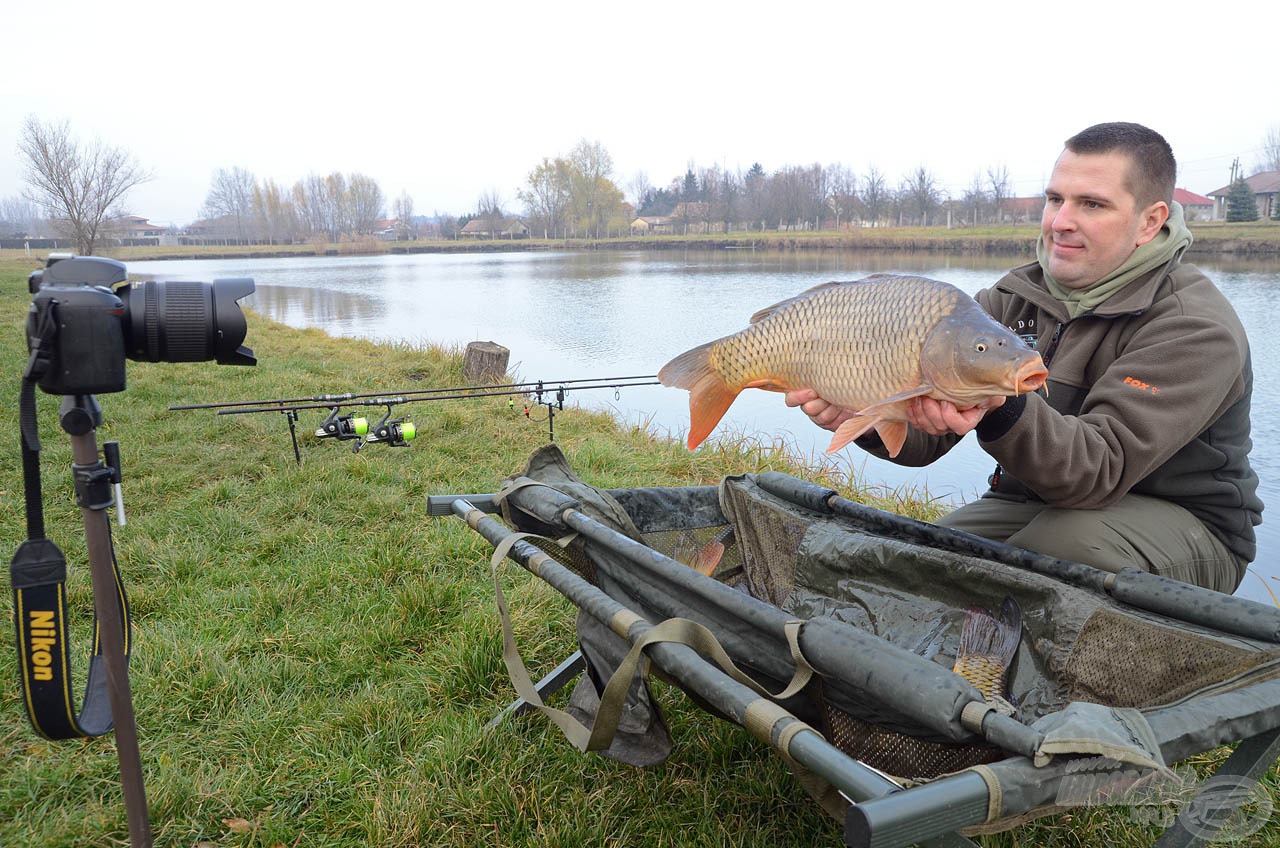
<point>1260,239</point>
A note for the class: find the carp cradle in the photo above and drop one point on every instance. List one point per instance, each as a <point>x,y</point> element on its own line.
<point>1116,675</point>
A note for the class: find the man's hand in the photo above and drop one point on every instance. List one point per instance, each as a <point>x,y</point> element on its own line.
<point>939,417</point>
<point>925,414</point>
<point>826,415</point>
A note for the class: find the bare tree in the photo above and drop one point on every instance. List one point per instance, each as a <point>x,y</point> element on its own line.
<point>364,204</point>
<point>309,202</point>
<point>974,200</point>
<point>1270,160</point>
<point>335,206</point>
<point>998,181</point>
<point>77,187</point>
<point>548,196</point>
<point>19,217</point>
<point>489,210</point>
<point>592,190</point>
<point>275,216</point>
<point>875,195</point>
<point>402,211</point>
<point>920,191</point>
<point>641,190</point>
<point>231,197</point>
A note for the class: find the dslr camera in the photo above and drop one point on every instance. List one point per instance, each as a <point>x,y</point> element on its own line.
<point>84,329</point>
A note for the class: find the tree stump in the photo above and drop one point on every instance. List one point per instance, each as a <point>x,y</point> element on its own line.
<point>485,361</point>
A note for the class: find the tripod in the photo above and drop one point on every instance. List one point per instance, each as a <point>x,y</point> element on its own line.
<point>80,416</point>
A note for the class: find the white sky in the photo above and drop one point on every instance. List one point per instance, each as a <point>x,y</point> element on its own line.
<point>449,100</point>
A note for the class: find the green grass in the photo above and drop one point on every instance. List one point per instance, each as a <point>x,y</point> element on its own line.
<point>318,658</point>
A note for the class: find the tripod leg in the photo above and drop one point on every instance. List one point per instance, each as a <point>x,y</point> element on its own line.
<point>98,540</point>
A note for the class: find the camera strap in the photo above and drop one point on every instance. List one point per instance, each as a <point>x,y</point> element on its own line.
<point>38,573</point>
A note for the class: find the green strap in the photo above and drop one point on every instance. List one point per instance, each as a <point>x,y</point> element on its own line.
<point>612,701</point>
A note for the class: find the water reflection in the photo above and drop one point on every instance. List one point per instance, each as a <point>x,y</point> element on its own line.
<point>598,314</point>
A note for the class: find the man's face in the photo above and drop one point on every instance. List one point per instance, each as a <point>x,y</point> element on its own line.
<point>1091,222</point>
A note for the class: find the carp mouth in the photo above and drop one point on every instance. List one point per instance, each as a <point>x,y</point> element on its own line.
<point>1030,376</point>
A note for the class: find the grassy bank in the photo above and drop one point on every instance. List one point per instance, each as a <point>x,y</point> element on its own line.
<point>1260,239</point>
<point>316,659</point>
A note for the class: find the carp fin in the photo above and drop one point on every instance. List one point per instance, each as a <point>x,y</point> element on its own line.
<point>988,646</point>
<point>768,385</point>
<point>985,635</point>
<point>850,430</point>
<point>709,396</point>
<point>918,391</point>
<point>892,433</point>
<point>769,310</point>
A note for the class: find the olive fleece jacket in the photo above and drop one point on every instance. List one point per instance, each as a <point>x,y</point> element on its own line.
<point>1147,393</point>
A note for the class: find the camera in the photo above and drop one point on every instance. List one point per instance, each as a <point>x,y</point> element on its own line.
<point>86,330</point>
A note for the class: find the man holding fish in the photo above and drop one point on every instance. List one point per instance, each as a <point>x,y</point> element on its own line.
<point>1136,452</point>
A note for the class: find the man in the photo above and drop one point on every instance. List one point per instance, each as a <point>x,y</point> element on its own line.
<point>1138,454</point>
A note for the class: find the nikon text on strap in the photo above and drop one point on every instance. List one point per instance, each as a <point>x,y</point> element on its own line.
<point>38,573</point>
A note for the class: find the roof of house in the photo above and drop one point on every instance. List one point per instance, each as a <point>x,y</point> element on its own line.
<point>1190,198</point>
<point>1019,204</point>
<point>1265,182</point>
<point>482,225</point>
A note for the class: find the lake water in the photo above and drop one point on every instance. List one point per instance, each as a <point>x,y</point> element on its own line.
<point>580,315</point>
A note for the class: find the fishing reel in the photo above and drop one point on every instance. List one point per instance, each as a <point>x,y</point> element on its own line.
<point>343,427</point>
<point>393,432</point>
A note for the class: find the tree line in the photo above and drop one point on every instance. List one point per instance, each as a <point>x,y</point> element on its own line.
<point>77,190</point>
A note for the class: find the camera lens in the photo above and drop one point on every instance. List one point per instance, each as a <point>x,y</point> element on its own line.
<point>174,321</point>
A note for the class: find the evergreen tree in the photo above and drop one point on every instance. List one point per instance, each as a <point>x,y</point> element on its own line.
<point>1242,205</point>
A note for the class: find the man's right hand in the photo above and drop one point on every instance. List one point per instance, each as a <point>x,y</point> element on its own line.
<point>826,415</point>
<point>923,413</point>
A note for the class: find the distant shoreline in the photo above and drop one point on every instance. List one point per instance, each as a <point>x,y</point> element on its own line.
<point>1261,239</point>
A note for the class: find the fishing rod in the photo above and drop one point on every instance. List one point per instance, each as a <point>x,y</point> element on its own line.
<point>327,399</point>
<point>399,431</point>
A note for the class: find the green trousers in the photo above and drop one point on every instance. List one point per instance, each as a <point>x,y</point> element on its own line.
<point>1148,533</point>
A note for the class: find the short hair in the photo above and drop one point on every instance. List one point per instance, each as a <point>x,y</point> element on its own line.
<point>1152,169</point>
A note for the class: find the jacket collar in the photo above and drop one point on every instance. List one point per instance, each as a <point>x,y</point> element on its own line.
<point>1027,282</point>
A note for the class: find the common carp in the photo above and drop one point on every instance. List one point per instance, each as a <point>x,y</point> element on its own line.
<point>868,345</point>
<point>988,646</point>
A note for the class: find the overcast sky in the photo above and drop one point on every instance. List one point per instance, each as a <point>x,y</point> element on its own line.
<point>449,100</point>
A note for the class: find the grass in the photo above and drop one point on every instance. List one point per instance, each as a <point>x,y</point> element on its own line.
<point>316,659</point>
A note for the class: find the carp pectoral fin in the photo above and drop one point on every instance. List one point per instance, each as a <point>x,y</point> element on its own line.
<point>709,399</point>
<point>850,430</point>
<point>893,434</point>
<point>918,391</point>
<point>768,385</point>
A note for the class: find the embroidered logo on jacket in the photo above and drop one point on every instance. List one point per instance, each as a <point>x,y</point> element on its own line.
<point>1138,384</point>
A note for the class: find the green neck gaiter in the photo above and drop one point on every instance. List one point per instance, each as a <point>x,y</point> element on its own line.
<point>1172,239</point>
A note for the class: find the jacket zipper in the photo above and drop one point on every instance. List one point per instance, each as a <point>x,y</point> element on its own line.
<point>1046,356</point>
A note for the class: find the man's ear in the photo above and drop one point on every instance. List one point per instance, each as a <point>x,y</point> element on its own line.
<point>1152,219</point>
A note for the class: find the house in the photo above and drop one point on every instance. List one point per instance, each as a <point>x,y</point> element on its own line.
<point>647,225</point>
<point>509,228</point>
<point>691,216</point>
<point>393,229</point>
<point>1196,207</point>
<point>1016,210</point>
<point>133,227</point>
<point>1266,188</point>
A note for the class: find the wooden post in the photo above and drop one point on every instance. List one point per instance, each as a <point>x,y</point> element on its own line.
<point>485,361</point>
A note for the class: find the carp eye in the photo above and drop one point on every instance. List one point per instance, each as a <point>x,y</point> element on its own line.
<point>980,347</point>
